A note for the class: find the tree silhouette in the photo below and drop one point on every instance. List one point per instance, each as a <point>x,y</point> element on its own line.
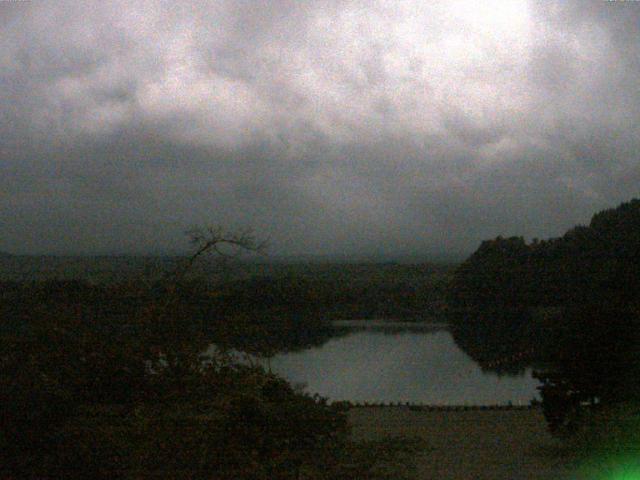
<point>572,300</point>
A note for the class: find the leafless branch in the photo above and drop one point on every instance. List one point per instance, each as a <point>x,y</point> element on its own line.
<point>215,239</point>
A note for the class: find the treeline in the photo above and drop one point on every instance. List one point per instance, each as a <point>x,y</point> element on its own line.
<point>113,308</point>
<point>341,292</point>
<point>571,301</point>
<point>262,309</point>
<point>332,291</point>
<point>600,258</point>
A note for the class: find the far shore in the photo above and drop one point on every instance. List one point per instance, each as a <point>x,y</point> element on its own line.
<point>389,322</point>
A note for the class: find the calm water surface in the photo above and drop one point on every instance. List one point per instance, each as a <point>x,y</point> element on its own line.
<point>419,364</point>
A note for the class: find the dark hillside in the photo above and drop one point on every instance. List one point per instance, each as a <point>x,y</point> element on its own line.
<point>572,303</point>
<point>596,260</point>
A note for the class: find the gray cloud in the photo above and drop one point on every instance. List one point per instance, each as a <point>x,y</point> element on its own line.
<point>334,126</point>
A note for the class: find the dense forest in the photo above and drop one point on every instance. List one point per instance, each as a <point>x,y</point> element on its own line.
<point>336,291</point>
<point>342,292</point>
<point>258,307</point>
<point>569,305</point>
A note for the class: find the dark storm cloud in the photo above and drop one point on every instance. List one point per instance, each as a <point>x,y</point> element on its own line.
<point>334,126</point>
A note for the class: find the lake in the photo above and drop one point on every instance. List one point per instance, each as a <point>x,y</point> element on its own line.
<point>388,362</point>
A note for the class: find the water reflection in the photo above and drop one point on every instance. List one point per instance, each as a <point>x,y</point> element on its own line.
<point>399,363</point>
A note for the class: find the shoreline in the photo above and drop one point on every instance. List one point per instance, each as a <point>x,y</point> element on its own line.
<point>419,407</point>
<point>388,322</point>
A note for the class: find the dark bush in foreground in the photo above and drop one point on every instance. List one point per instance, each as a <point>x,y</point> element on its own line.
<point>89,398</point>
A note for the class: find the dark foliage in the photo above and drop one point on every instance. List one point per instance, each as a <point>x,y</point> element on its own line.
<point>569,303</point>
<point>110,382</point>
<point>81,401</point>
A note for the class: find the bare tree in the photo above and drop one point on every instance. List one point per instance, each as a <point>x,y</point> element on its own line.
<point>225,244</point>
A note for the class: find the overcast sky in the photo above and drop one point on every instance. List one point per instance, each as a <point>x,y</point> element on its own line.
<point>329,126</point>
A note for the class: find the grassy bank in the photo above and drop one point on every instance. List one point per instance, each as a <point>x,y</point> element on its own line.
<point>498,444</point>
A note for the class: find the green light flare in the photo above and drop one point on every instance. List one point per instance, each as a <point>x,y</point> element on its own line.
<point>612,470</point>
<point>633,474</point>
